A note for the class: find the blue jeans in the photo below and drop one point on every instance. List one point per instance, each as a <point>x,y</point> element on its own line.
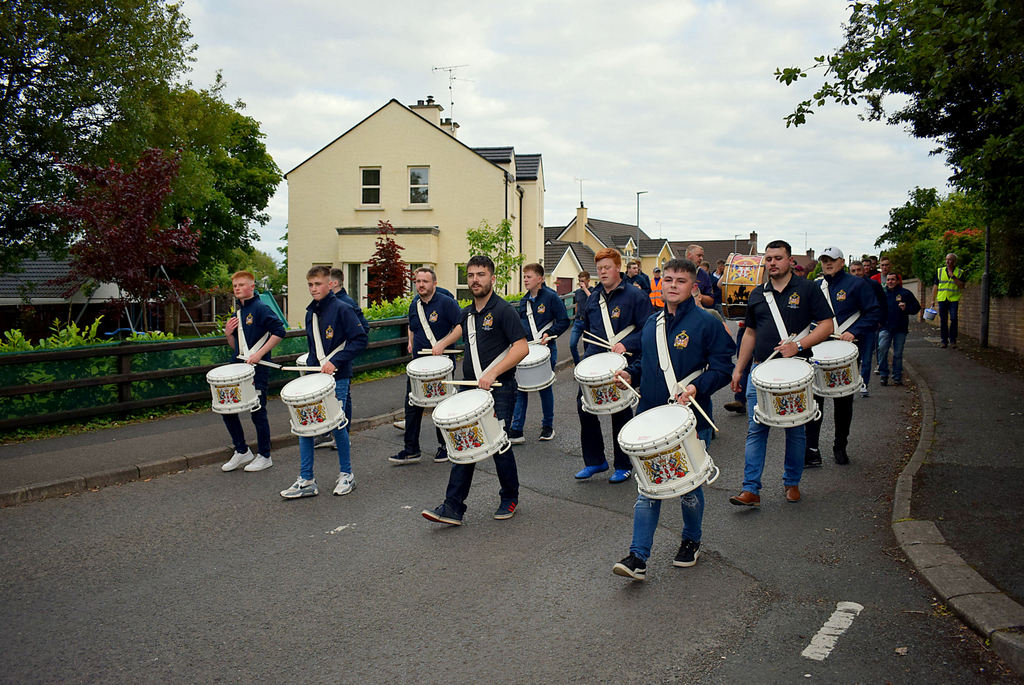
<point>950,310</point>
<point>647,511</point>
<point>259,419</point>
<point>897,340</point>
<point>574,340</point>
<point>757,446</point>
<point>340,439</point>
<point>547,402</point>
<point>461,477</point>
<point>744,378</point>
<point>866,347</point>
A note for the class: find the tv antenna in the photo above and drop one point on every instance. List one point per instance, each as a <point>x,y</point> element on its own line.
<point>452,78</point>
<point>580,181</point>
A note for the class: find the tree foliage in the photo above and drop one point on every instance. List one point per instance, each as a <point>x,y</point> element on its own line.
<point>387,275</point>
<point>905,221</point>
<point>68,70</point>
<point>959,66</point>
<point>122,233</point>
<point>498,244</point>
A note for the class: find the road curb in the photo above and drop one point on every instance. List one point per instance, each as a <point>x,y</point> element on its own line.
<point>161,467</point>
<point>988,611</point>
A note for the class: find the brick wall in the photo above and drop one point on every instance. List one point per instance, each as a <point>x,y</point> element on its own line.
<point>1005,316</point>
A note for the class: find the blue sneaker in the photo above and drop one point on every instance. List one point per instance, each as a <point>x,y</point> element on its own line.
<point>442,513</point>
<point>620,476</point>
<point>589,471</point>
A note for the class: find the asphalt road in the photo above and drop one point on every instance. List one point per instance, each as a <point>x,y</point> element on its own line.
<point>204,576</point>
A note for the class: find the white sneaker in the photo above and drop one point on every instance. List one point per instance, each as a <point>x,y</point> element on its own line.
<point>399,424</point>
<point>301,488</point>
<point>259,463</point>
<point>237,459</point>
<point>346,481</point>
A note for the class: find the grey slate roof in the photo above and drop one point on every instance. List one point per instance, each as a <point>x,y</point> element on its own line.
<point>651,247</point>
<point>528,167</point>
<point>498,155</point>
<point>554,251</point>
<point>36,279</point>
<point>551,232</point>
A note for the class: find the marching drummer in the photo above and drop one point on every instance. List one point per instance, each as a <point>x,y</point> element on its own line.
<point>335,337</point>
<point>251,334</point>
<point>615,314</point>
<point>543,317</point>
<point>494,345</point>
<point>699,356</point>
<point>778,314</point>
<point>855,319</point>
<point>432,316</point>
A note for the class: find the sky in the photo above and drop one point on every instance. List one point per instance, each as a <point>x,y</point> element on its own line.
<point>675,98</point>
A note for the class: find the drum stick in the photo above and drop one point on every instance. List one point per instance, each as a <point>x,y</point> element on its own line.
<point>623,381</point>
<point>786,342</point>
<point>702,413</point>
<point>596,338</point>
<point>263,363</point>
<point>311,369</point>
<point>601,343</point>
<point>444,352</point>
<point>538,342</point>
<point>469,383</point>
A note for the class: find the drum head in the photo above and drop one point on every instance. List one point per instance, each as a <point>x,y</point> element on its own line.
<point>781,372</point>
<point>657,425</point>
<point>463,405</point>
<point>537,355</point>
<point>833,350</point>
<point>315,384</point>
<point>600,366</point>
<point>434,365</point>
<point>230,372</point>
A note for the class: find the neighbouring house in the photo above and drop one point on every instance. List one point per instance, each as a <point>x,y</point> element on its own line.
<point>405,165</point>
<point>571,248</point>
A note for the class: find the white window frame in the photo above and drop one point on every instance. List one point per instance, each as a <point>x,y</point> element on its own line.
<point>364,186</point>
<point>425,187</point>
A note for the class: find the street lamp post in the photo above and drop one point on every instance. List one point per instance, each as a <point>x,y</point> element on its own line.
<point>638,194</point>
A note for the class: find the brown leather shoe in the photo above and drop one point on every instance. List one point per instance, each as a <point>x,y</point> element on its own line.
<point>792,493</point>
<point>746,499</point>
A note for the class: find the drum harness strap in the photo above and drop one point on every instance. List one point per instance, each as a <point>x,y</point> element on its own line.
<point>474,354</point>
<point>608,330</point>
<point>318,343</point>
<point>773,307</point>
<point>425,323</point>
<point>535,333</point>
<point>839,330</point>
<point>665,361</point>
<point>243,346</point>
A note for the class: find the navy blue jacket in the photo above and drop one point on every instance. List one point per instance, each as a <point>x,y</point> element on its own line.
<point>257,319</point>
<point>640,280</point>
<point>338,323</point>
<point>442,313</point>
<point>446,293</point>
<point>695,339</point>
<point>883,304</point>
<point>850,294</point>
<point>347,299</point>
<point>627,305</point>
<point>547,306</point>
<point>897,319</point>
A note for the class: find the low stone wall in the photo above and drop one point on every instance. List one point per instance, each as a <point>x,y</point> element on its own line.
<point>1005,317</point>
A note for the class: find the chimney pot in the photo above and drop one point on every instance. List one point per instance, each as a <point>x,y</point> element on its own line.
<point>419,102</point>
<point>430,99</point>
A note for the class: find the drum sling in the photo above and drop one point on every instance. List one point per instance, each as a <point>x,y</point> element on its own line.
<point>474,354</point>
<point>318,344</point>
<point>426,324</point>
<point>243,345</point>
<point>535,333</point>
<point>773,307</point>
<point>607,321</point>
<point>665,361</point>
<point>838,330</point>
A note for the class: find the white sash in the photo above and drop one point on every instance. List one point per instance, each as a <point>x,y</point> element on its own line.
<point>535,334</point>
<point>474,353</point>
<point>318,344</point>
<point>243,346</point>
<point>839,330</point>
<point>773,307</point>
<point>425,323</point>
<point>612,337</point>
<point>665,361</point>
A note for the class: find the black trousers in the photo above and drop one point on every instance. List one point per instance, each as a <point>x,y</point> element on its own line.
<point>592,439</point>
<point>844,417</point>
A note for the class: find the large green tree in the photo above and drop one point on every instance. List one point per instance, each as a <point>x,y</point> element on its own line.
<point>959,67</point>
<point>68,70</point>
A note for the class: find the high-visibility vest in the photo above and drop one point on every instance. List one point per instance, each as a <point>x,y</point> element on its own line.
<point>656,294</point>
<point>949,291</point>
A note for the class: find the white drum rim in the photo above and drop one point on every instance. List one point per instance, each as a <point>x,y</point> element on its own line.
<point>793,384</point>
<point>445,367</point>
<point>580,372</point>
<point>657,444</point>
<point>296,398</point>
<point>534,388</point>
<point>242,371</point>
<point>455,420</point>
<point>542,356</point>
<point>851,354</point>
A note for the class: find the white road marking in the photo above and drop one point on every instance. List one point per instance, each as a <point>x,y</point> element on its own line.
<point>838,623</point>
<point>340,528</point>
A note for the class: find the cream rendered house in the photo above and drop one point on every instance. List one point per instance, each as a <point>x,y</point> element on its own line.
<point>405,165</point>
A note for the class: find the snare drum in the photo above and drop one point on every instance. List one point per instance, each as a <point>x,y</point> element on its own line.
<point>312,405</point>
<point>232,388</point>
<point>427,376</point>
<point>836,372</point>
<point>471,430</point>
<point>535,372</point>
<point>596,376</point>
<point>784,393</point>
<point>668,458</point>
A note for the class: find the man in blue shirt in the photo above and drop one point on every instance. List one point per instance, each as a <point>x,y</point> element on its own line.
<point>543,316</point>
<point>637,278</point>
<point>697,344</point>
<point>432,316</point>
<point>901,306</point>
<point>695,253</point>
<point>581,295</point>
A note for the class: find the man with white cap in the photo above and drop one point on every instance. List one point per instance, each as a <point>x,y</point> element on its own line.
<point>855,319</point>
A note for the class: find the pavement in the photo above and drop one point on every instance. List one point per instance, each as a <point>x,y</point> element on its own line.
<point>955,504</point>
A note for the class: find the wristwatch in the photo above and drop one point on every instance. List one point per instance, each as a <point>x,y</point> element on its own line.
<point>799,347</point>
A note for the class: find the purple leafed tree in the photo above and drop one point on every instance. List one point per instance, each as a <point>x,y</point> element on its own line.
<point>387,273</point>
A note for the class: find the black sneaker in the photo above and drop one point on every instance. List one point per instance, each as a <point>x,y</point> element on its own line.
<point>441,455</point>
<point>442,513</point>
<point>812,458</point>
<point>884,380</point>
<point>546,433</point>
<point>405,457</point>
<point>689,550</point>
<point>631,567</point>
<point>505,511</point>
<point>839,453</point>
<point>736,406</point>
<point>516,437</point>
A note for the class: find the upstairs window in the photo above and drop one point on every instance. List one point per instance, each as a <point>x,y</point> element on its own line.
<point>371,186</point>
<point>419,185</point>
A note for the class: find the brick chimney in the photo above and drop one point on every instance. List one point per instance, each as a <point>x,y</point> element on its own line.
<point>753,243</point>
<point>429,110</point>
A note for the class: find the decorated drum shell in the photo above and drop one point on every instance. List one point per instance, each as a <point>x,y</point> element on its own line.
<point>432,366</point>
<point>832,353</point>
<point>599,368</point>
<point>782,374</point>
<point>667,456</point>
<point>230,373</point>
<point>463,407</point>
<point>306,388</point>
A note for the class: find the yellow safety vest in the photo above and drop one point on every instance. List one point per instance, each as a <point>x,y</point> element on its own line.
<point>949,291</point>
<point>656,294</point>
